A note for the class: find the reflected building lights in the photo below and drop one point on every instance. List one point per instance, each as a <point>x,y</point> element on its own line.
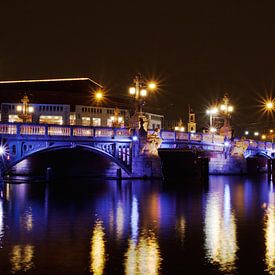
<point>21,258</point>
<point>134,219</point>
<point>143,257</point>
<point>97,254</point>
<point>1,223</point>
<point>269,233</point>
<point>181,224</point>
<point>119,220</point>
<point>27,219</point>
<point>220,228</point>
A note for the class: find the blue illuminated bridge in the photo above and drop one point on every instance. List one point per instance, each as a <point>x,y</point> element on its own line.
<point>120,145</point>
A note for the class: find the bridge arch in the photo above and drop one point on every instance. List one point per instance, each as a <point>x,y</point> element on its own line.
<point>56,147</point>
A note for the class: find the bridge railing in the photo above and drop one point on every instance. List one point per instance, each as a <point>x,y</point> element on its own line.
<point>48,131</point>
<point>70,131</point>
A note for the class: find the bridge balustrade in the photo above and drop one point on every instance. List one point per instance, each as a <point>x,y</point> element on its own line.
<point>32,130</point>
<point>8,129</point>
<point>83,132</point>
<point>102,132</point>
<point>59,131</point>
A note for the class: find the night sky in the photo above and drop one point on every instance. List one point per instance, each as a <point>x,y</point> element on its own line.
<point>198,50</point>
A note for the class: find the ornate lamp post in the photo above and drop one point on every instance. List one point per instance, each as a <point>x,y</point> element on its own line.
<point>140,91</point>
<point>225,110</point>
<point>25,111</point>
<point>117,120</point>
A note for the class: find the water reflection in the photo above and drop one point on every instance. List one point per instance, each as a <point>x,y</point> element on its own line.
<point>97,254</point>
<point>220,228</point>
<point>2,231</point>
<point>143,254</point>
<point>21,258</point>
<point>269,233</point>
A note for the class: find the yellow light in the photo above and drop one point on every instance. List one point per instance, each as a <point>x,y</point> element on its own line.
<point>19,108</point>
<point>213,130</point>
<point>177,128</point>
<point>223,107</point>
<point>98,95</point>
<point>269,105</point>
<point>143,92</point>
<point>132,90</point>
<point>271,131</point>
<point>112,118</point>
<point>30,109</point>
<point>263,136</point>
<point>152,85</point>
<point>182,129</point>
<point>230,109</point>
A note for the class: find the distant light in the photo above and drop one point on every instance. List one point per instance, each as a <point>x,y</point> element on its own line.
<point>263,136</point>
<point>213,130</point>
<point>19,108</point>
<point>177,128</point>
<point>112,118</point>
<point>223,107</point>
<point>2,150</point>
<point>230,109</point>
<point>269,105</point>
<point>143,92</point>
<point>212,111</point>
<point>226,143</point>
<point>152,85</point>
<point>271,131</point>
<point>30,109</point>
<point>135,138</point>
<point>98,95</point>
<point>132,90</point>
<point>120,119</point>
<point>256,134</point>
<point>182,129</point>
<point>246,133</point>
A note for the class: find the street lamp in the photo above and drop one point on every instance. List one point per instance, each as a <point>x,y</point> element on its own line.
<point>140,91</point>
<point>25,111</point>
<point>211,112</point>
<point>225,110</point>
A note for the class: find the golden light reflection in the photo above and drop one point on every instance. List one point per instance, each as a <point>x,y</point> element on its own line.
<point>220,229</point>
<point>97,254</point>
<point>269,233</point>
<point>21,258</point>
<point>181,228</point>
<point>143,257</point>
<point>119,220</point>
<point>27,219</point>
<point>2,231</point>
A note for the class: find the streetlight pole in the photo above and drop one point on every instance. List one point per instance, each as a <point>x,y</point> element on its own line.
<point>139,91</point>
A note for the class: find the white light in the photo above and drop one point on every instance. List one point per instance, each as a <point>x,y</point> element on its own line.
<point>2,150</point>
<point>135,138</point>
<point>230,109</point>
<point>177,128</point>
<point>132,90</point>
<point>120,119</point>
<point>213,130</point>
<point>112,118</point>
<point>19,108</point>
<point>256,134</point>
<point>223,107</point>
<point>182,129</point>
<point>143,92</point>
<point>246,133</point>
<point>30,109</point>
<point>226,143</point>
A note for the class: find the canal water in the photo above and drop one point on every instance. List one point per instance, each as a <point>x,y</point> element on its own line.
<point>88,226</point>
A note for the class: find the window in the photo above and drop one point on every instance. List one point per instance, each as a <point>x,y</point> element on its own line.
<point>86,121</point>
<point>96,121</point>
<point>61,108</point>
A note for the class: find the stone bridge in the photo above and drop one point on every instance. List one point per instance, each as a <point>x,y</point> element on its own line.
<point>128,151</point>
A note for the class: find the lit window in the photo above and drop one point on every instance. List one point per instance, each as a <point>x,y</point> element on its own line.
<point>96,121</point>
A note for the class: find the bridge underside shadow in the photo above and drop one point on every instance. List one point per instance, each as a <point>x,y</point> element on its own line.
<point>67,162</point>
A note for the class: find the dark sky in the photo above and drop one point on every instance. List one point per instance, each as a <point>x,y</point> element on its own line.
<point>197,49</point>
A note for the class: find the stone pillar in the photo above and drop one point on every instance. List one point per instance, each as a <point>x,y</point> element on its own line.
<point>144,163</point>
